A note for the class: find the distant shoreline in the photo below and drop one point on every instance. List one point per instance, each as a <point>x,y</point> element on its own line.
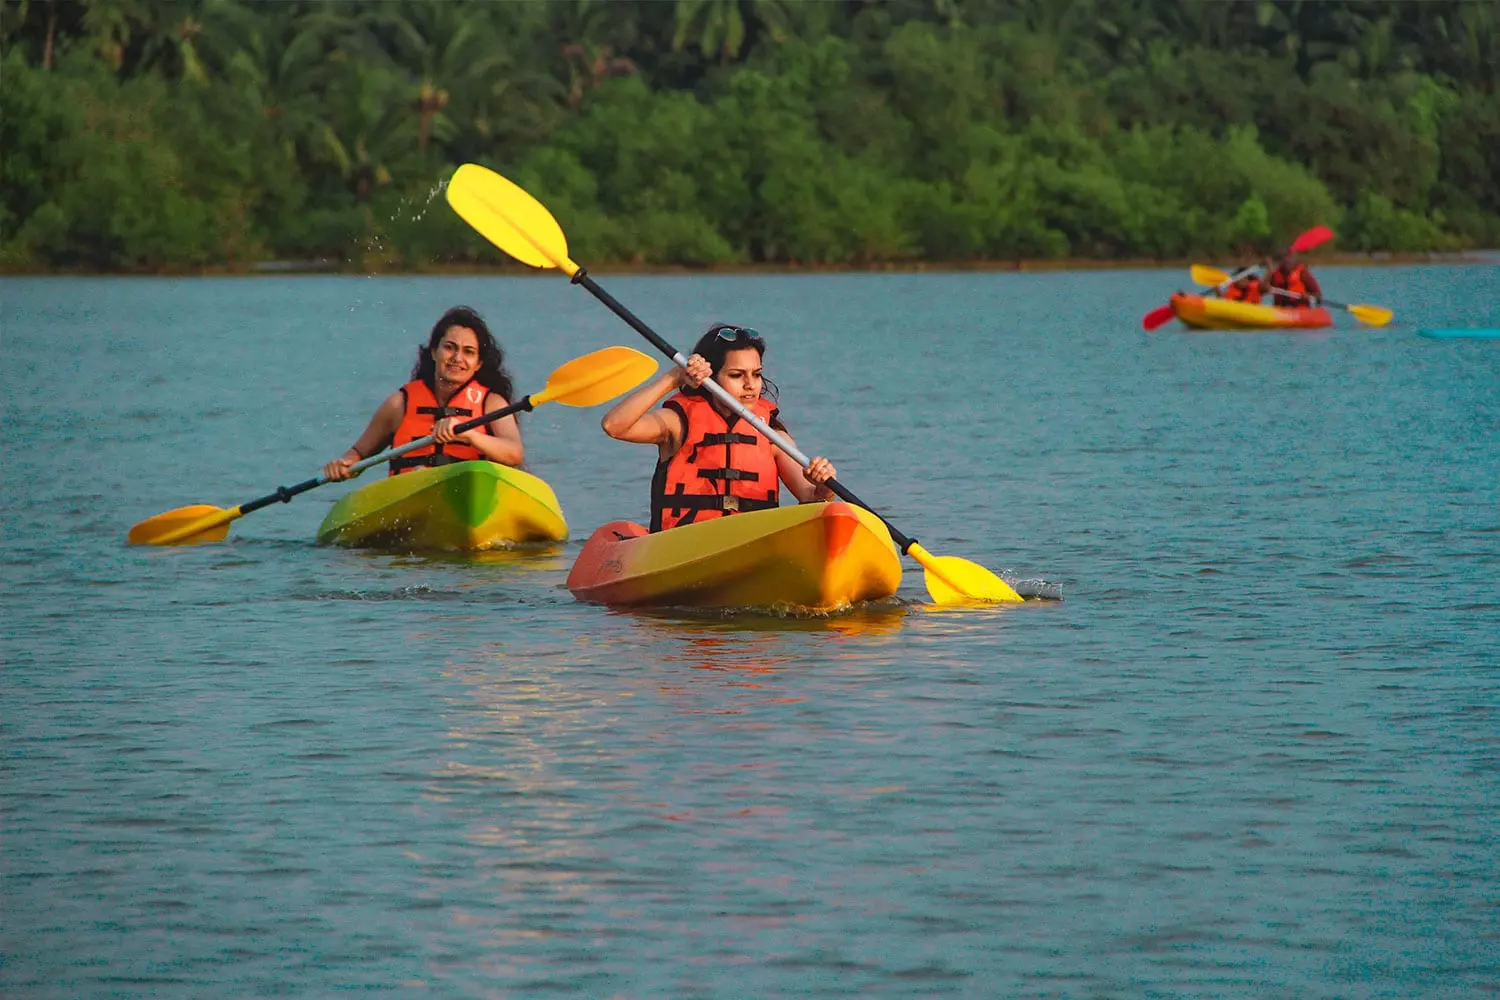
<point>283,268</point>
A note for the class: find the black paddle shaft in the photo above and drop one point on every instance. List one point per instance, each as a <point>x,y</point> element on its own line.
<point>1307,298</point>
<point>284,494</point>
<point>843,493</point>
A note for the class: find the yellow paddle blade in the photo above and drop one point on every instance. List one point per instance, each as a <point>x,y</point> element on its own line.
<point>1205,275</point>
<point>508,217</point>
<point>951,580</point>
<point>192,525</point>
<point>1372,315</point>
<point>596,377</point>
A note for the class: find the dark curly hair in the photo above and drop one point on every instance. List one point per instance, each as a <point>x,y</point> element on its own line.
<point>492,374</point>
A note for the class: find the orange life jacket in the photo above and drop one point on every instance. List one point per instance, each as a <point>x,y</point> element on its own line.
<point>724,466</point>
<point>1247,289</point>
<point>1291,282</point>
<point>423,412</point>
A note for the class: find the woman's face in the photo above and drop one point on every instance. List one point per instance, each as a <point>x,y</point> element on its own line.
<point>740,374</point>
<point>456,355</point>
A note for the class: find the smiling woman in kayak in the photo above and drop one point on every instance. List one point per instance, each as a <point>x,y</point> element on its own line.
<point>459,374</point>
<point>711,462</point>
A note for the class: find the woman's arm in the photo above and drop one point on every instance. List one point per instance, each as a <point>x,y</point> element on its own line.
<point>1313,288</point>
<point>501,445</point>
<point>382,428</point>
<point>805,484</point>
<point>633,419</point>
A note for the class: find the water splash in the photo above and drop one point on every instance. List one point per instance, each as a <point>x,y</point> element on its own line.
<point>1036,590</point>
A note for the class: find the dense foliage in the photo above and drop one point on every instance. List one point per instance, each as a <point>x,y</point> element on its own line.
<point>152,134</point>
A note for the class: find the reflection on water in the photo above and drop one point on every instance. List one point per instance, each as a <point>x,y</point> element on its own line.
<point>604,780</point>
<point>870,618</point>
<point>528,558</point>
<point>542,558</point>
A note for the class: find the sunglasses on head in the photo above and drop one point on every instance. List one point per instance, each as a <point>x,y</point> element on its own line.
<point>733,333</point>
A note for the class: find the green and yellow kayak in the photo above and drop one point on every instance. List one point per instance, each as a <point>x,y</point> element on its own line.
<point>1203,312</point>
<point>810,557</point>
<point>465,506</point>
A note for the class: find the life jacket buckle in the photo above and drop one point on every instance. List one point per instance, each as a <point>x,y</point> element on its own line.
<point>732,503</point>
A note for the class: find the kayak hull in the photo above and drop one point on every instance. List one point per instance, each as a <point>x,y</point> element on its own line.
<point>466,506</point>
<point>1203,312</point>
<point>810,557</point>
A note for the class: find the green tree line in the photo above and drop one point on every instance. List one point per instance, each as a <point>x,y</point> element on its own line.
<point>182,134</point>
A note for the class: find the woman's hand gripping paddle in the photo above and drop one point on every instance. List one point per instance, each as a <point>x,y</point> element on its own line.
<point>586,381</point>
<point>1314,237</point>
<point>518,224</point>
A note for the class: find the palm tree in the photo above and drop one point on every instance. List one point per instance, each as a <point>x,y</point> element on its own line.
<point>451,53</point>
<point>368,134</point>
<point>718,28</point>
<point>141,35</point>
<point>280,68</point>
<point>13,22</point>
<point>1462,40</point>
<point>589,66</point>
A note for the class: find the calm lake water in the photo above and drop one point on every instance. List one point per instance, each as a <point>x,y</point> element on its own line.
<point>1254,752</point>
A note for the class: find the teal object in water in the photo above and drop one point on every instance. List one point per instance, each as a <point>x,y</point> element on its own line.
<point>1461,333</point>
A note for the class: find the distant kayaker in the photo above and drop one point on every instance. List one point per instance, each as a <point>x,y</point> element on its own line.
<point>460,373</point>
<point>1248,289</point>
<point>1291,275</point>
<point>711,462</point>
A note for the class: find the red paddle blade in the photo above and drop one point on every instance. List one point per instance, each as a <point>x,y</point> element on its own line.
<point>1156,317</point>
<point>1314,237</point>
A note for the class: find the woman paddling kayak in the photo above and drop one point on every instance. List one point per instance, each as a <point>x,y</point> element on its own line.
<point>460,373</point>
<point>710,462</point>
<point>1294,277</point>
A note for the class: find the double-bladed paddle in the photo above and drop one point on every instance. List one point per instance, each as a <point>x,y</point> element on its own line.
<point>1369,315</point>
<point>585,381</point>
<point>1314,237</point>
<point>521,226</point>
<point>1205,275</point>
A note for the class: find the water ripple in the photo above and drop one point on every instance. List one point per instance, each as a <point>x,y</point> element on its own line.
<point>1252,754</point>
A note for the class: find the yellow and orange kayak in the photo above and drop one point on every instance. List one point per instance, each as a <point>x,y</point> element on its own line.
<point>1208,313</point>
<point>810,557</point>
<point>465,506</point>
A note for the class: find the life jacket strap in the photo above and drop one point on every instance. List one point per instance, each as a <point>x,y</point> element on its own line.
<point>445,411</point>
<point>713,501</point>
<point>729,474</point>
<point>709,440</point>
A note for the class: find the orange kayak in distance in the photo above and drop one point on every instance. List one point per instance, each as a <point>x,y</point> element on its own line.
<point>1203,312</point>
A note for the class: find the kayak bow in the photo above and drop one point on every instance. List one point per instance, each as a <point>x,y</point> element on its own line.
<point>465,506</point>
<point>808,557</point>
